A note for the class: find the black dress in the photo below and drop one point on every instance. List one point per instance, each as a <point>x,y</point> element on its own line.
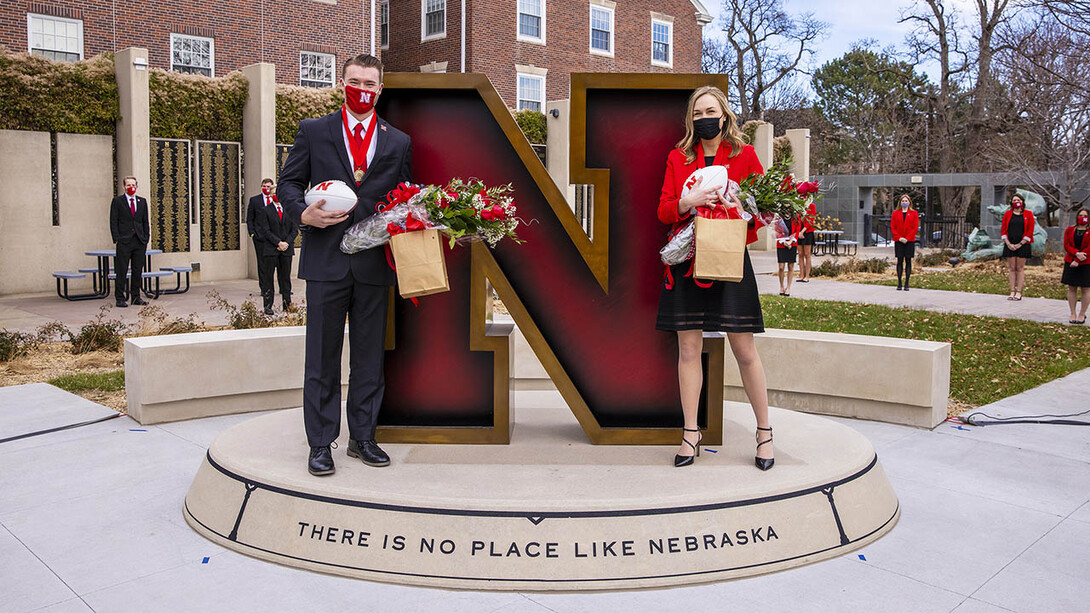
<point>1079,276</point>
<point>1016,229</point>
<point>723,307</point>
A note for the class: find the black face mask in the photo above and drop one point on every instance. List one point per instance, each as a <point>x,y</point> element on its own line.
<point>706,128</point>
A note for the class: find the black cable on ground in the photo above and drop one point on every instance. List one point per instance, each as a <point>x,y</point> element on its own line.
<point>973,419</point>
<point>59,428</point>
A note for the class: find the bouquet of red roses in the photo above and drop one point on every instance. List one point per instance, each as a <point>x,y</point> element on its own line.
<point>775,193</point>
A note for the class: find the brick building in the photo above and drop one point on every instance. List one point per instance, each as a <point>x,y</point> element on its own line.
<point>529,47</point>
<point>526,47</point>
<point>304,38</point>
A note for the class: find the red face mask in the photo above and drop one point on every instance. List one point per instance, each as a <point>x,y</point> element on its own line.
<point>130,190</point>
<point>359,101</point>
<point>266,190</point>
<point>1083,220</point>
<point>1016,205</point>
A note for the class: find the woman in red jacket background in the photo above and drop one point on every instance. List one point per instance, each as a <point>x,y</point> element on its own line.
<point>903,225</point>
<point>806,243</point>
<point>689,306</point>
<point>787,241</point>
<point>1017,235</point>
<point>1076,275</point>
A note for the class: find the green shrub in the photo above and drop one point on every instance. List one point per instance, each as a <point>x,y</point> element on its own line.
<point>37,93</point>
<point>834,268</point>
<point>197,107</point>
<point>533,125</point>
<point>781,149</point>
<point>15,344</point>
<point>294,104</point>
<point>100,333</point>
<point>155,321</point>
<point>936,258</point>
<point>241,317</point>
<point>749,130</point>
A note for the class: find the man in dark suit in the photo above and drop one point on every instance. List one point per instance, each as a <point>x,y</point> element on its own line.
<point>130,229</point>
<point>275,234</point>
<point>357,147</point>
<point>258,203</point>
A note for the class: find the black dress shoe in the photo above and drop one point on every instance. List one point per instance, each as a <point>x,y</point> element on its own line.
<point>122,304</point>
<point>139,302</point>
<point>369,452</point>
<point>268,311</point>
<point>321,461</point>
<point>287,307</point>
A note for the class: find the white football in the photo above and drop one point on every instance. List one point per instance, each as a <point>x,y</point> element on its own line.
<point>714,176</point>
<point>337,195</point>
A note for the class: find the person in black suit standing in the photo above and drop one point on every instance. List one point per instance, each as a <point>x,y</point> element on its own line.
<point>275,235</point>
<point>258,203</point>
<point>355,146</point>
<point>130,229</point>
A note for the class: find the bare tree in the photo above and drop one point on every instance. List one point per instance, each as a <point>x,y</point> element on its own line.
<point>1073,14</point>
<point>764,49</point>
<point>1046,68</point>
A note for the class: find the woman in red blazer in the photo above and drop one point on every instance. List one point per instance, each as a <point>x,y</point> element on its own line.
<point>903,225</point>
<point>689,307</point>
<point>1076,274</point>
<point>787,241</point>
<point>1017,235</point>
<point>806,243</point>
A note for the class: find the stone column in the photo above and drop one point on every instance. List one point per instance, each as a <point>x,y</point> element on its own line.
<point>557,144</point>
<point>800,148</point>
<point>134,126</point>
<point>762,142</point>
<point>258,143</point>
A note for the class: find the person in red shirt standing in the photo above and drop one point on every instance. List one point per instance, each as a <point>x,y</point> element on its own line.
<point>903,225</point>
<point>806,243</point>
<point>689,306</point>
<point>1076,275</point>
<point>1017,235</point>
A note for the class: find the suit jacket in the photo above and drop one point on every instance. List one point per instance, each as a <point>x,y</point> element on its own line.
<point>678,172</point>
<point>1070,248</point>
<point>904,224</point>
<point>319,155</point>
<point>256,204</point>
<point>1029,222</point>
<point>123,223</point>
<point>269,230</point>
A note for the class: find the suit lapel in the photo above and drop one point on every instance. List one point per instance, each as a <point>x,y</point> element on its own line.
<point>336,133</point>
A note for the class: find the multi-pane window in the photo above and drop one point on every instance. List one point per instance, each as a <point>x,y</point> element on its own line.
<point>316,69</point>
<point>661,42</point>
<point>384,24</point>
<point>435,18</point>
<point>530,17</point>
<point>601,29</point>
<point>193,55</point>
<point>531,92</point>
<point>55,37</point>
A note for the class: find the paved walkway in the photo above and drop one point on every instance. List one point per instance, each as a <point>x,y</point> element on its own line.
<point>993,519</point>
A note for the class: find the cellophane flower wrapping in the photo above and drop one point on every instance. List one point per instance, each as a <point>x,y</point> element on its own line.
<point>372,232</point>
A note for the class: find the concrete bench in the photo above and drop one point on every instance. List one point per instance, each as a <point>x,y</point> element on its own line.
<point>201,374</point>
<point>901,381</point>
<point>893,380</point>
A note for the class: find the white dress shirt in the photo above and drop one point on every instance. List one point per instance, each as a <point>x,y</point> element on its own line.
<point>352,123</point>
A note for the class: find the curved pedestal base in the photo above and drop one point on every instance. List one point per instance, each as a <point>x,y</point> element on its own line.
<point>549,512</point>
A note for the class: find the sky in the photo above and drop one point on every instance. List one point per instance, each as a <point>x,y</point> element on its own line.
<point>849,21</point>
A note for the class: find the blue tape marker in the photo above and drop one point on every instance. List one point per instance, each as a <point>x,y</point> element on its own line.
<point>205,560</point>
<point>962,428</point>
<point>710,450</point>
<point>136,430</point>
<point>861,557</point>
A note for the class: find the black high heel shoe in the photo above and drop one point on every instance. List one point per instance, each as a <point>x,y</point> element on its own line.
<point>685,460</point>
<point>763,463</point>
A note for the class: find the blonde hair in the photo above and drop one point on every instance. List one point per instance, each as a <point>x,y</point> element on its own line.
<point>731,133</point>
<point>911,205</point>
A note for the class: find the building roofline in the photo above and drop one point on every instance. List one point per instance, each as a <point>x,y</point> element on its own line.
<point>703,17</point>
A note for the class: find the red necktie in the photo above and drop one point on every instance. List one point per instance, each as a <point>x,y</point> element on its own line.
<point>268,200</point>
<point>279,212</point>
<point>359,146</point>
<point>132,205</point>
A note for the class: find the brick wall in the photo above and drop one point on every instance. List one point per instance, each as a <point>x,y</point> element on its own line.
<point>407,53</point>
<point>341,27</point>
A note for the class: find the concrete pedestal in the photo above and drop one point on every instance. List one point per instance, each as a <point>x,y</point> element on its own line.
<point>548,512</point>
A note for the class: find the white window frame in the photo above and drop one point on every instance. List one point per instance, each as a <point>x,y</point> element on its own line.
<point>30,36</point>
<point>540,78</point>
<point>211,50</point>
<point>526,38</point>
<point>608,8</point>
<point>332,70</point>
<point>669,63</point>
<point>386,4</point>
<point>424,22</point>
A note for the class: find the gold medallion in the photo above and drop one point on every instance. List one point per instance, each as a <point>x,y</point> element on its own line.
<point>358,174</point>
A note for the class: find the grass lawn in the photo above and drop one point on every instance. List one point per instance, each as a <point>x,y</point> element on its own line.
<point>980,281</point>
<point>991,358</point>
<point>111,381</point>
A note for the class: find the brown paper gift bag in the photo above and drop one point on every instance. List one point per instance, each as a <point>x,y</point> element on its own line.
<point>421,268</point>
<point>720,249</point>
